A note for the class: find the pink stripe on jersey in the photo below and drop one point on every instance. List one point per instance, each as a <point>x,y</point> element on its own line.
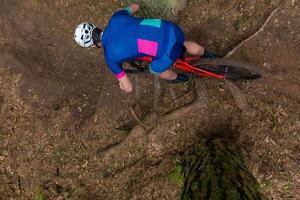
<point>121,74</point>
<point>147,47</point>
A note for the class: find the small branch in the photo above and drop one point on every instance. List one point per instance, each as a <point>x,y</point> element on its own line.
<point>227,11</point>
<point>138,119</point>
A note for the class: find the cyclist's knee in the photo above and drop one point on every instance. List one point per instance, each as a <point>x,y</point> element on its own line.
<point>168,75</point>
<point>193,48</point>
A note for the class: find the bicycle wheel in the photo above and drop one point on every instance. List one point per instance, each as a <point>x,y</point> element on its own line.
<point>231,70</point>
<point>137,67</point>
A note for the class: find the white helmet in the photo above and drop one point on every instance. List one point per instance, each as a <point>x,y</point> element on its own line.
<point>84,34</point>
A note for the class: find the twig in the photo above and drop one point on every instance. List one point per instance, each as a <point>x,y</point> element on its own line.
<point>138,119</point>
<point>227,11</point>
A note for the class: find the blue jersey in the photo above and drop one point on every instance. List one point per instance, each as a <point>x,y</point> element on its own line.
<point>127,37</point>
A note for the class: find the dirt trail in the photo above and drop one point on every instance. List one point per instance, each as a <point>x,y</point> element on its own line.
<point>67,132</point>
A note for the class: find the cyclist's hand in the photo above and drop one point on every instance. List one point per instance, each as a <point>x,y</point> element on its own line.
<point>134,8</point>
<point>125,89</point>
<point>125,84</point>
<point>121,86</point>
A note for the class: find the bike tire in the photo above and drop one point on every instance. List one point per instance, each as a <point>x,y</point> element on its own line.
<point>231,70</point>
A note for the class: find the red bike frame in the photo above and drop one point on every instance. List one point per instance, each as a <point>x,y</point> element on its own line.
<point>185,66</point>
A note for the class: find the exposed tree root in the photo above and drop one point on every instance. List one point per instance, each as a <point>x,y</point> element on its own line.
<point>238,95</point>
<point>119,170</point>
<point>201,102</point>
<point>140,131</point>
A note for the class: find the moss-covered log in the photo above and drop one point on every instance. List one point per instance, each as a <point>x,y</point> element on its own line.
<point>166,9</point>
<point>217,172</point>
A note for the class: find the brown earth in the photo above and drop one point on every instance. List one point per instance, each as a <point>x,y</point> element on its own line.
<point>68,132</point>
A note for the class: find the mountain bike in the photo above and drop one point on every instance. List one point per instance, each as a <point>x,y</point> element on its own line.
<point>200,67</point>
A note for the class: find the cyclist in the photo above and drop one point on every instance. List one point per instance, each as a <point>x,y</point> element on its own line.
<point>127,37</point>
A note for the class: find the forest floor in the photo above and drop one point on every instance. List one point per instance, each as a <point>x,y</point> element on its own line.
<point>68,132</point>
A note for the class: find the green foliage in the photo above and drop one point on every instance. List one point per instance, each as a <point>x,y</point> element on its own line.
<point>39,195</point>
<point>287,186</point>
<point>238,24</point>
<point>176,175</point>
<point>166,9</point>
<point>271,117</point>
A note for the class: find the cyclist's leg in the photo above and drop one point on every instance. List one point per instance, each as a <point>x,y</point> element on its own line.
<point>162,67</point>
<point>193,48</point>
<point>168,75</point>
<point>196,49</point>
<point>172,77</point>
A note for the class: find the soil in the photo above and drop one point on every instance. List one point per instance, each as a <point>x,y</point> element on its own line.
<point>68,132</point>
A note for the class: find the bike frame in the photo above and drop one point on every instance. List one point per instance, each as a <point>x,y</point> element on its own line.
<point>183,64</point>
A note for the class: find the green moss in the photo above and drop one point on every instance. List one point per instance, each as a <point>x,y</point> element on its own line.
<point>216,171</point>
<point>166,9</point>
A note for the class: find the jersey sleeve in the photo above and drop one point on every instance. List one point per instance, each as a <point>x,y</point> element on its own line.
<point>125,11</point>
<point>116,68</point>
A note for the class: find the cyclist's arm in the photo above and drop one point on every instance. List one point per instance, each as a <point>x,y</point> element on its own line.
<point>116,68</point>
<point>125,84</point>
<point>130,10</point>
<point>134,7</point>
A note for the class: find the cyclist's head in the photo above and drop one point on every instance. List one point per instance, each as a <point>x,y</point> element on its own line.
<point>87,34</point>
